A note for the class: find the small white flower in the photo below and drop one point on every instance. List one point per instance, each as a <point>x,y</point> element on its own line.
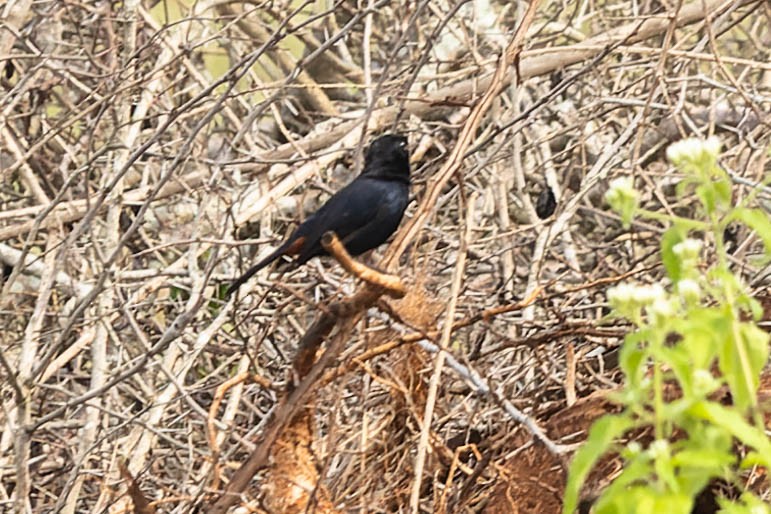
<point>621,299</point>
<point>622,186</point>
<point>619,294</point>
<point>712,146</point>
<point>683,149</point>
<point>704,382</point>
<point>648,294</point>
<point>620,190</point>
<point>662,308</point>
<point>628,299</point>
<point>659,448</point>
<point>634,447</point>
<point>688,249</point>
<point>623,198</point>
<point>689,290</point>
<point>694,150</point>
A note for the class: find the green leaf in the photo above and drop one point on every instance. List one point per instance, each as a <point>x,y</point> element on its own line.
<point>631,358</point>
<point>684,186</point>
<point>665,472</point>
<point>758,221</point>
<point>757,341</point>
<point>616,497</point>
<point>673,503</point>
<point>741,360</point>
<point>708,459</point>
<point>644,500</point>
<point>722,190</point>
<point>706,194</point>
<point>677,358</point>
<point>693,480</point>
<point>752,459</point>
<point>700,333</point>
<point>748,504</point>
<point>672,262</point>
<point>734,423</point>
<point>601,436</point>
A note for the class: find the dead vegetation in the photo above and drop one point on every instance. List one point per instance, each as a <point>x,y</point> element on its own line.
<point>151,150</point>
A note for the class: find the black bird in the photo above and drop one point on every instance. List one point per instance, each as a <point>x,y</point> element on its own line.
<point>546,203</point>
<point>363,214</point>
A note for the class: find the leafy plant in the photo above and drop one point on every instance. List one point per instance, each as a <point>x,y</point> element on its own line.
<point>695,330</point>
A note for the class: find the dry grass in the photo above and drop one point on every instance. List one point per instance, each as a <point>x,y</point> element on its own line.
<point>145,162</point>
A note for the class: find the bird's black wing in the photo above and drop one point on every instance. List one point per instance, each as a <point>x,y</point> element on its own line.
<point>385,221</point>
<point>348,211</point>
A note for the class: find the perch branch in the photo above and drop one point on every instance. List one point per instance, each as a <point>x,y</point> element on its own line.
<point>392,284</point>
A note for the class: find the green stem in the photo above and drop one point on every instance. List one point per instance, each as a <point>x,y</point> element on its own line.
<point>668,219</point>
<point>658,389</point>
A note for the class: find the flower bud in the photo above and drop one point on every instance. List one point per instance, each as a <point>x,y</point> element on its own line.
<point>659,448</point>
<point>688,249</point>
<point>703,382</point>
<point>623,198</point>
<point>648,294</point>
<point>661,309</point>
<point>689,290</point>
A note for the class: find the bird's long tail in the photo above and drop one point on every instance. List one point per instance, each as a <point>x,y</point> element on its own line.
<point>278,252</point>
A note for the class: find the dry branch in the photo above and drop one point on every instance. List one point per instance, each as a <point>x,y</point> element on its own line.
<point>391,284</point>
<point>294,403</point>
<point>465,92</point>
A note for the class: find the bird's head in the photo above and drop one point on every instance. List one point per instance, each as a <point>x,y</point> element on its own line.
<point>388,157</point>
